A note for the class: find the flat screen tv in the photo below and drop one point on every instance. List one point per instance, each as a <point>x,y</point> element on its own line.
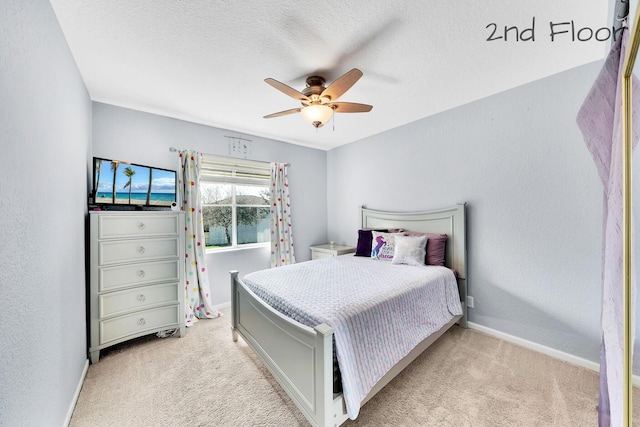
<point>119,184</point>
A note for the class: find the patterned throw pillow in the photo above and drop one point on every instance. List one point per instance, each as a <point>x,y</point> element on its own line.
<point>382,245</point>
<point>410,250</point>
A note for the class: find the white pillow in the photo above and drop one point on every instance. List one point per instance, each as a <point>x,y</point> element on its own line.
<point>410,250</point>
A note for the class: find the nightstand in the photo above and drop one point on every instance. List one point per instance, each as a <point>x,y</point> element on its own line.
<point>328,250</point>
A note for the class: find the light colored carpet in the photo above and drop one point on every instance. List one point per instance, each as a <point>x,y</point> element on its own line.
<point>205,379</point>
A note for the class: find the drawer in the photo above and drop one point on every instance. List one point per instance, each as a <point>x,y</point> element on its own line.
<point>139,323</point>
<point>128,275</point>
<point>120,302</point>
<point>118,226</point>
<point>319,255</point>
<point>117,251</point>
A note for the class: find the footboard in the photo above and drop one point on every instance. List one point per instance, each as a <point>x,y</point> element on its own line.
<point>299,357</point>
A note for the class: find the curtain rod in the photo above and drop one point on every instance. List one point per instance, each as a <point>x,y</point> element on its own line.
<point>175,150</point>
<point>237,137</point>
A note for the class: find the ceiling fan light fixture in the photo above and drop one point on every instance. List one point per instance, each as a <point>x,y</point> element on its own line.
<point>317,114</point>
<point>319,102</point>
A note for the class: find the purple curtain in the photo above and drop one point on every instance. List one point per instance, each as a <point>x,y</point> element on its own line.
<point>600,120</point>
<point>197,290</point>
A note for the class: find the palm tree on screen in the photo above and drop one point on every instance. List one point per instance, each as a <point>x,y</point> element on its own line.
<point>129,172</point>
<point>114,169</point>
<point>98,167</point>
<point>149,188</point>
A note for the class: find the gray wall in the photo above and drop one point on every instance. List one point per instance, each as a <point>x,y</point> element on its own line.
<point>138,137</point>
<point>534,221</point>
<point>45,131</point>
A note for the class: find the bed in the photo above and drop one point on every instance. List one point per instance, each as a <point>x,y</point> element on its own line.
<point>301,356</point>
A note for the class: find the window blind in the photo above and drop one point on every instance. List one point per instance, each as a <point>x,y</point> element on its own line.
<point>232,170</point>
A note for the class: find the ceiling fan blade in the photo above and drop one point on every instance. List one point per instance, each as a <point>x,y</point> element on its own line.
<point>350,107</point>
<point>287,90</point>
<point>342,84</point>
<point>283,113</point>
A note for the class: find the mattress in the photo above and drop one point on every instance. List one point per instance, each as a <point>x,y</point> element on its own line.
<point>379,311</point>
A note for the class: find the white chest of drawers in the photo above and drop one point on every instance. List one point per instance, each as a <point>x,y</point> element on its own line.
<point>136,275</point>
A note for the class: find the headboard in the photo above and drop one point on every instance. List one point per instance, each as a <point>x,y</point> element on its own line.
<point>450,221</point>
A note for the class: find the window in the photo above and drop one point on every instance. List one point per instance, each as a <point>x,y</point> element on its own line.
<point>235,202</point>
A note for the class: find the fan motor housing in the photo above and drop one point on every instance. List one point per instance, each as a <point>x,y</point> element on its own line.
<point>315,86</point>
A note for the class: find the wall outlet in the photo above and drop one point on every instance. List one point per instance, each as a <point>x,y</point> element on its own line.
<point>469,302</point>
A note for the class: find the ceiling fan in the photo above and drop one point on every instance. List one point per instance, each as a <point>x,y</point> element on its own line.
<point>319,102</point>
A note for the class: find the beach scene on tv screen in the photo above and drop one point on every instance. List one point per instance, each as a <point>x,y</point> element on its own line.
<point>127,184</point>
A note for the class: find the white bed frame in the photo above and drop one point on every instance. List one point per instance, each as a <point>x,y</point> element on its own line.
<point>301,358</point>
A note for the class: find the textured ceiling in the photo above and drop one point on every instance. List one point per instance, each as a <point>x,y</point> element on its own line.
<point>205,61</point>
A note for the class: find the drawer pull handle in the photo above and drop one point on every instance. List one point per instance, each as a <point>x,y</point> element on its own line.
<point>141,321</point>
<point>141,250</point>
<point>141,273</point>
<point>141,298</point>
<point>141,226</point>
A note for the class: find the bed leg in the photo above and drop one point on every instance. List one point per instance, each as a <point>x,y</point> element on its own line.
<point>234,320</point>
<point>463,322</point>
<point>462,290</point>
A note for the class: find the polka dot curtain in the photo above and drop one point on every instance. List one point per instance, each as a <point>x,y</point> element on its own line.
<point>281,234</point>
<point>197,289</point>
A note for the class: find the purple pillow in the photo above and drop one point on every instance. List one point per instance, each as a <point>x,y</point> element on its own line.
<point>436,247</point>
<point>363,248</point>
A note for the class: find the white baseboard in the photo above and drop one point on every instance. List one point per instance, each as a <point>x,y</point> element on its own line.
<point>552,352</point>
<point>72,406</point>
<point>222,306</point>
